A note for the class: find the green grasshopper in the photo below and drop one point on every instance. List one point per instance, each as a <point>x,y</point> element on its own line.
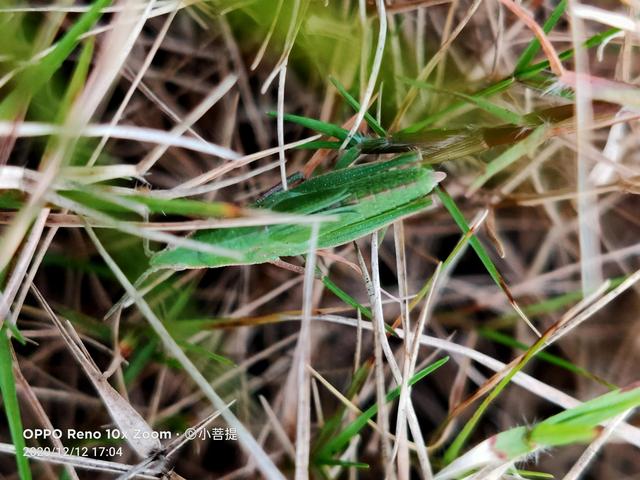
<point>363,199</point>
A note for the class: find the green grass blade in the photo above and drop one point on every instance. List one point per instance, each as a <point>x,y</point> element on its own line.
<point>35,77</point>
<point>11,408</point>
<point>600,408</point>
<point>11,199</point>
<point>458,217</point>
<point>330,428</point>
<point>317,144</point>
<point>345,297</point>
<point>207,353</point>
<point>436,117</point>
<point>342,463</point>
<point>78,79</point>
<point>534,46</point>
<point>576,425</point>
<point>456,446</point>
<point>110,203</point>
<point>355,105</point>
<point>503,339</point>
<point>76,84</point>
<point>179,301</point>
<point>141,358</point>
<point>325,128</point>
<point>502,85</point>
<point>546,306</point>
<point>591,42</point>
<point>453,255</point>
<point>343,438</point>
<point>495,275</point>
<point>479,101</point>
